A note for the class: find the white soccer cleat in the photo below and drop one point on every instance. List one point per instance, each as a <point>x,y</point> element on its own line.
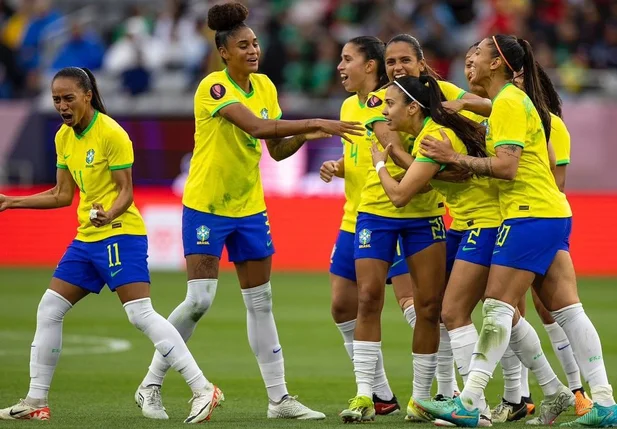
<point>150,401</point>
<point>291,408</point>
<point>25,411</point>
<point>204,403</point>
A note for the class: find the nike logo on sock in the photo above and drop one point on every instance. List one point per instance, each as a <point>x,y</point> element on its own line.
<point>277,350</point>
<point>167,354</point>
<point>563,347</point>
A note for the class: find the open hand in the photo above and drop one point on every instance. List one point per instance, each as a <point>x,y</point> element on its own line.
<point>341,128</point>
<point>317,135</point>
<point>440,151</point>
<point>454,105</point>
<point>379,155</point>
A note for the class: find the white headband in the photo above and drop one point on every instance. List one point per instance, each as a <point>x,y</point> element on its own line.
<point>409,95</point>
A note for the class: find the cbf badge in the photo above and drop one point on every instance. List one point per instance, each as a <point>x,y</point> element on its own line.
<point>364,237</point>
<point>264,113</point>
<point>203,234</point>
<point>217,91</point>
<point>90,156</point>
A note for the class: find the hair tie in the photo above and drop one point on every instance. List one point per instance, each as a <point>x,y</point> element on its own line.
<point>409,95</point>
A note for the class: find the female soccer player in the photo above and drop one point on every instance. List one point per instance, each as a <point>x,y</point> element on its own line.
<point>224,202</point>
<point>532,245</point>
<point>362,70</point>
<point>111,247</point>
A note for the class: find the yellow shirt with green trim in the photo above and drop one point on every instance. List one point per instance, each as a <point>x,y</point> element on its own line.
<point>560,139</point>
<point>451,91</point>
<point>472,204</point>
<point>357,155</point>
<point>533,193</point>
<point>91,157</point>
<point>224,177</point>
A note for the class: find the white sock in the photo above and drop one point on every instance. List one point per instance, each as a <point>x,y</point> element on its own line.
<point>563,351</point>
<point>511,367</point>
<point>424,367</point>
<point>264,339</point>
<point>587,349</point>
<point>47,343</point>
<point>381,386</point>
<point>525,392</point>
<point>199,296</point>
<point>446,378</point>
<point>167,341</point>
<point>492,344</point>
<point>463,340</point>
<point>526,344</point>
<point>410,315</point>
<point>365,355</point>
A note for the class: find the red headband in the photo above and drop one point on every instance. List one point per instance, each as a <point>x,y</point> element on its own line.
<point>501,55</point>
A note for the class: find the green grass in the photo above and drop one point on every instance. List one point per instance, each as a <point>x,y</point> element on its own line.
<point>96,390</point>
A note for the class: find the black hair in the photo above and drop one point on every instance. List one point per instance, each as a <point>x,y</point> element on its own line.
<point>417,49</point>
<point>518,55</point>
<point>226,19</point>
<point>475,45</point>
<point>553,100</point>
<point>426,91</point>
<point>86,81</point>
<point>373,49</point>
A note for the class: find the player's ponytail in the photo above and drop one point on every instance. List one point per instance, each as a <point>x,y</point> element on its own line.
<point>86,81</point>
<point>553,100</point>
<point>225,19</point>
<point>373,49</point>
<point>426,92</point>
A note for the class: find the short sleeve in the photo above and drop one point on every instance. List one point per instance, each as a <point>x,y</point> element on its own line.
<point>560,139</point>
<point>275,108</point>
<point>60,159</point>
<point>212,95</point>
<point>451,91</point>
<point>507,123</point>
<point>119,150</point>
<point>374,106</point>
<point>423,158</point>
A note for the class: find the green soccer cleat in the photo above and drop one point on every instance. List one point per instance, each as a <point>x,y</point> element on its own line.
<point>598,417</point>
<point>361,409</point>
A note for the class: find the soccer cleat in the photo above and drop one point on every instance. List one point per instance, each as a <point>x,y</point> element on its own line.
<point>531,407</point>
<point>150,401</point>
<point>385,408</point>
<point>25,411</point>
<point>582,402</point>
<point>291,408</point>
<point>415,414</point>
<point>203,404</point>
<point>597,417</point>
<point>552,406</point>
<point>448,411</point>
<point>509,412</point>
<point>361,409</point>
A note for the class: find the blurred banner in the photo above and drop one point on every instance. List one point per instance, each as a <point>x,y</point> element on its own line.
<point>303,230</point>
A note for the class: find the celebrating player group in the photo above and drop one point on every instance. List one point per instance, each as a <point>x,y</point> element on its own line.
<point>413,146</point>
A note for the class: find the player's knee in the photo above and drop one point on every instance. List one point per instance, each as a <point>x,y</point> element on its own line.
<point>52,307</point>
<point>369,300</point>
<point>341,311</point>
<point>200,303</point>
<point>138,312</point>
<point>449,316</point>
<point>429,310</point>
<point>259,299</point>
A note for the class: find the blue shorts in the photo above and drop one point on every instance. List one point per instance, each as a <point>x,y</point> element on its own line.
<point>343,264</point>
<point>531,243</point>
<point>115,261</point>
<point>474,245</point>
<point>377,236</point>
<point>246,238</point>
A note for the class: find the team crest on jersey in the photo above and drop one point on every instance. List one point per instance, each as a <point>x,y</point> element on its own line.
<point>217,91</point>
<point>203,234</point>
<point>365,238</point>
<point>374,101</point>
<point>264,113</point>
<point>90,156</point>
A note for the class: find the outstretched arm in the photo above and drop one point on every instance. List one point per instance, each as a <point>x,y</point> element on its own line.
<point>60,195</point>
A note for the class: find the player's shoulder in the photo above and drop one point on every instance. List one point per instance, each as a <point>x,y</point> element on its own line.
<point>450,90</point>
<point>216,83</point>
<point>261,79</point>
<point>109,128</point>
<point>376,98</point>
<point>557,124</point>
<point>63,133</point>
<point>350,102</point>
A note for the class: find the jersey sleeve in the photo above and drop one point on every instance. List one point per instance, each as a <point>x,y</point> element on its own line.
<point>119,150</point>
<point>275,108</point>
<point>560,139</point>
<point>451,91</point>
<point>374,106</point>
<point>423,158</point>
<point>60,158</point>
<point>507,123</point>
<point>212,95</point>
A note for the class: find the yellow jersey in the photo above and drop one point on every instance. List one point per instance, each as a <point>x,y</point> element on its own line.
<point>224,177</point>
<point>374,199</point>
<point>533,193</point>
<point>91,157</point>
<point>560,139</point>
<point>357,155</point>
<point>472,204</point>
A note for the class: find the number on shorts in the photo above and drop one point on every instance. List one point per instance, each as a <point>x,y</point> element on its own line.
<point>398,248</point>
<point>332,254</point>
<point>472,234</point>
<point>438,228</point>
<point>115,255</point>
<point>502,234</point>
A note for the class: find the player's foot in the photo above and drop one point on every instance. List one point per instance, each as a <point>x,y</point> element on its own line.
<point>583,403</point>
<point>24,410</point>
<point>150,401</point>
<point>440,397</point>
<point>509,412</point>
<point>290,408</point>
<point>448,411</point>
<point>552,406</point>
<point>597,417</point>
<point>385,408</point>
<point>531,407</point>
<point>361,409</point>
<point>203,404</point>
<point>417,415</point>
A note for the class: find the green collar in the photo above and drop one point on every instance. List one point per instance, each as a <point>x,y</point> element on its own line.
<point>250,94</point>
<point>83,133</point>
<point>500,91</point>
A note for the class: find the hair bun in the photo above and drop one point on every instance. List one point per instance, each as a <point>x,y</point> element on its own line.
<point>224,17</point>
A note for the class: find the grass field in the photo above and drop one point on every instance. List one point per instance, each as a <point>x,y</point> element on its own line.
<point>95,389</point>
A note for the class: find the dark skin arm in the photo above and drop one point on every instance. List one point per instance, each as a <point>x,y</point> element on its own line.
<point>560,177</point>
<point>60,195</point>
<point>330,169</point>
<point>123,180</point>
<point>386,137</point>
<point>472,103</point>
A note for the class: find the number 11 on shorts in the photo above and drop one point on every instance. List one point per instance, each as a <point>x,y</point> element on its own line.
<point>113,255</point>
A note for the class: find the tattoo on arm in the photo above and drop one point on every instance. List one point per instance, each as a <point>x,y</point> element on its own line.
<point>510,150</point>
<point>285,147</point>
<point>478,166</point>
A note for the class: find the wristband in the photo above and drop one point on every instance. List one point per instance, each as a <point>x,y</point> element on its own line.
<point>379,166</point>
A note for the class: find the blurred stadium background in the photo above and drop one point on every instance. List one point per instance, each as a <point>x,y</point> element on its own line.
<point>148,56</point>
